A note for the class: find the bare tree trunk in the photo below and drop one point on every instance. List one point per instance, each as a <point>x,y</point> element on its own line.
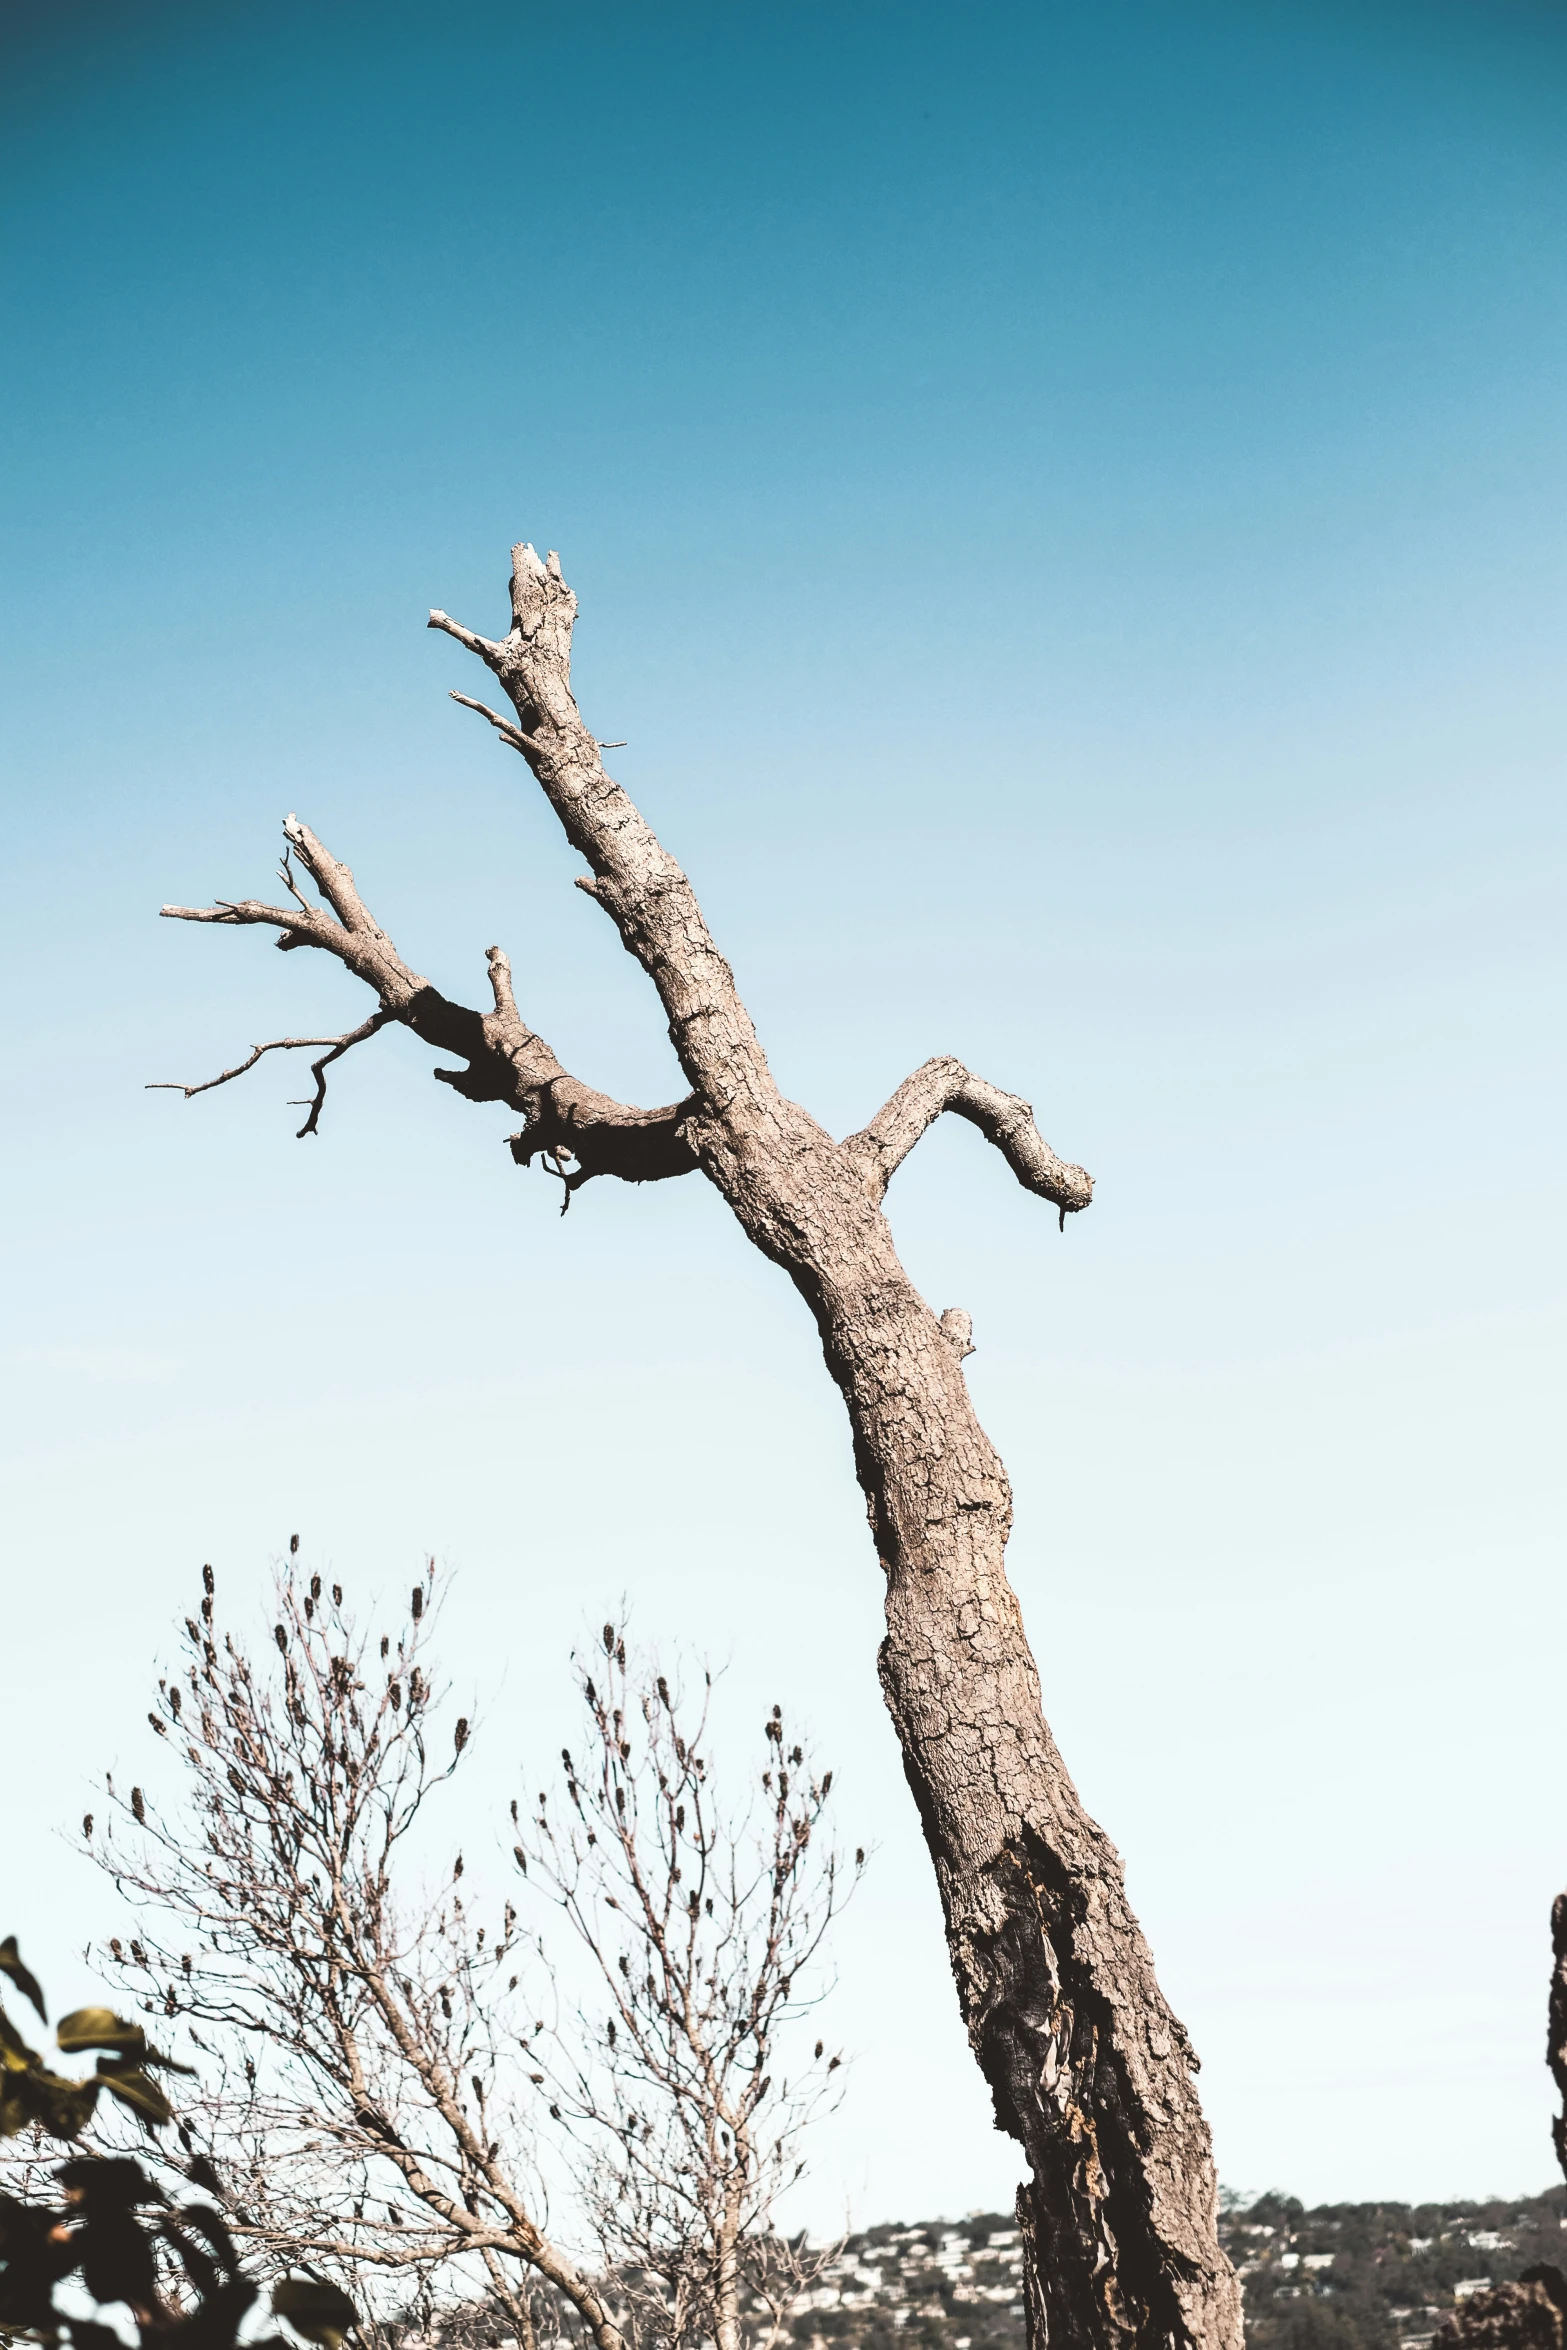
<point>726,2300</point>
<point>1089,2070</point>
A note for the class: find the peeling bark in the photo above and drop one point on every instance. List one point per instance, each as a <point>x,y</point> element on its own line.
<point>1090,2072</point>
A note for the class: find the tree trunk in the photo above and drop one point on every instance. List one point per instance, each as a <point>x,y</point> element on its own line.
<point>1088,2069</point>
<point>1556,2029</point>
<point>726,2284</point>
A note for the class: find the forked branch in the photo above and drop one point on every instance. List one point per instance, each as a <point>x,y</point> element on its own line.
<point>634,877</point>
<point>286,1044</point>
<point>565,1122</point>
<point>1002,1118</point>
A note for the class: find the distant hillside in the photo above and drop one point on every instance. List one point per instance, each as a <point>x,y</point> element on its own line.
<point>1379,2274</point>
<point>945,2285</point>
<point>1344,2276</point>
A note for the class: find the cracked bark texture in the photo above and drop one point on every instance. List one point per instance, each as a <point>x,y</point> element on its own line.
<point>1089,2070</point>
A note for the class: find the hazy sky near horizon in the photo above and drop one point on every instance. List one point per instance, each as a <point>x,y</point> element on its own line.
<point>1067,510</point>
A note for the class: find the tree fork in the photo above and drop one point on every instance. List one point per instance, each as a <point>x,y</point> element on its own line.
<point>1089,2071</point>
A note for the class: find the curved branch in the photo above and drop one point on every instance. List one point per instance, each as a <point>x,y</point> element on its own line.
<point>1002,1118</point>
<point>318,1069</point>
<point>566,1123</point>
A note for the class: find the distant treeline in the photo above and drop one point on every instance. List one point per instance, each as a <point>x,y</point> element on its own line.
<point>1340,2276</point>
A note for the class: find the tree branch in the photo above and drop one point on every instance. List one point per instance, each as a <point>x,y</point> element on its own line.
<point>566,1123</point>
<point>635,879</point>
<point>285,1044</point>
<point>465,636</point>
<point>1002,1118</point>
<point>318,1069</point>
<point>305,927</point>
<point>502,726</point>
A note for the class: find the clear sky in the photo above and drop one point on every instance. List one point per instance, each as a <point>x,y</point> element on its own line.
<point>1067,509</point>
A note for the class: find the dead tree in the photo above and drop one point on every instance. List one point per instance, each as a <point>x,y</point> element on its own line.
<point>354,2077</point>
<point>1090,2071</point>
<point>684,2075</point>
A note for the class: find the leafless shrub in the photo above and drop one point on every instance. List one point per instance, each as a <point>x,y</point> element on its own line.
<point>360,2104</point>
<point>685,2074</point>
<point>369,2089</point>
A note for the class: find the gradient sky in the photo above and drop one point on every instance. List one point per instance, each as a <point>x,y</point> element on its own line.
<point>1067,510</point>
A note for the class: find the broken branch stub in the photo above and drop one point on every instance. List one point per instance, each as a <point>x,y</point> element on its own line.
<point>1090,2072</point>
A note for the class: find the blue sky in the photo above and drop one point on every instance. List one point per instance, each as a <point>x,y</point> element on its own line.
<point>1067,508</point>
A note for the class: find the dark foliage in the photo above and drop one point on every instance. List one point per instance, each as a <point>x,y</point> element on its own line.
<point>172,2266</point>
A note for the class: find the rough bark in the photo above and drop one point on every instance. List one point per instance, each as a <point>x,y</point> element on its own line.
<point>1089,2070</point>
<point>1556,2028</point>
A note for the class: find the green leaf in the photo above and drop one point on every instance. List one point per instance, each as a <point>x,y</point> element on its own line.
<point>26,1983</point>
<point>99,2027</point>
<point>321,2313</point>
<point>135,2089</point>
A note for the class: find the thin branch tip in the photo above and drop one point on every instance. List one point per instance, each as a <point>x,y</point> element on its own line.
<point>503,726</point>
<point>338,1045</point>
